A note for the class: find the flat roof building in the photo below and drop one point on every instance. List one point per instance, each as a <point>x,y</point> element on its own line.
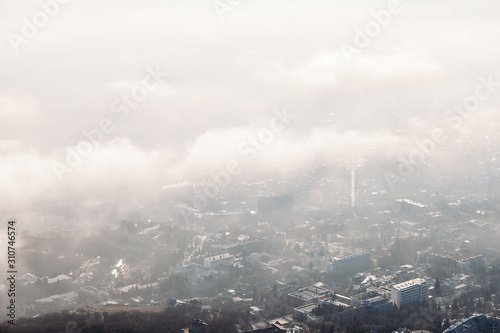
<point>350,263</point>
<point>221,260</point>
<point>308,295</point>
<point>415,290</point>
<point>410,207</point>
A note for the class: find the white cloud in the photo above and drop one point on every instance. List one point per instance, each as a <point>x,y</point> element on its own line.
<point>225,80</point>
<point>15,106</point>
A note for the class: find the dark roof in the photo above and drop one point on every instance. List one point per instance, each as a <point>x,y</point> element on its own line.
<point>271,328</point>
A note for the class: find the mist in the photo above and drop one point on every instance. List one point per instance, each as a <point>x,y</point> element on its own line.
<point>226,75</point>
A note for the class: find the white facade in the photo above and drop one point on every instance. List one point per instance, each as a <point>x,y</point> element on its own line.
<point>221,260</point>
<point>61,279</point>
<point>411,291</point>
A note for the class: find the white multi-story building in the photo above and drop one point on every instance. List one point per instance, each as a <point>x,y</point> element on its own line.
<point>411,291</point>
<point>221,260</point>
<point>354,262</point>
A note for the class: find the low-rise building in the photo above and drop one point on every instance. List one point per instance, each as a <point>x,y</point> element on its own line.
<point>469,325</point>
<point>60,280</point>
<point>218,261</point>
<point>27,279</point>
<point>308,295</point>
<point>194,274</point>
<point>336,304</point>
<point>304,313</point>
<point>57,302</point>
<point>349,264</point>
<point>351,314</point>
<point>379,304</point>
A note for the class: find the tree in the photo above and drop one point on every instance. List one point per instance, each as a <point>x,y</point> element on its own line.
<point>275,290</point>
<point>446,323</point>
<point>437,287</point>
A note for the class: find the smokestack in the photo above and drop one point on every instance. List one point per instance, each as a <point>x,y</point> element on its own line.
<point>353,187</point>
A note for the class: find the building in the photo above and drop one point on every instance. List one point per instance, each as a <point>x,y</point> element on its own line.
<point>468,325</point>
<point>436,259</point>
<point>275,328</point>
<point>60,280</point>
<point>93,295</point>
<point>356,262</point>
<point>219,261</point>
<point>279,204</point>
<point>379,304</point>
<point>478,323</point>
<point>194,274</point>
<point>247,244</point>
<point>337,302</point>
<point>115,271</point>
<point>351,314</point>
<point>410,207</point>
<point>56,303</point>
<point>305,313</point>
<point>411,291</point>
<point>27,279</point>
<point>470,263</point>
<point>308,295</point>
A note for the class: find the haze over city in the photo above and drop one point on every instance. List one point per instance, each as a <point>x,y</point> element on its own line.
<point>225,78</point>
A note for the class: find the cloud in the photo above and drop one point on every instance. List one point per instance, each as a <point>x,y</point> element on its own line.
<point>405,60</point>
<point>225,79</point>
<point>18,110</point>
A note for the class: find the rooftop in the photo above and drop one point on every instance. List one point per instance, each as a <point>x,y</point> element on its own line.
<point>410,283</point>
<point>61,277</point>
<point>411,202</point>
<point>310,293</point>
<point>307,308</point>
<point>219,257</point>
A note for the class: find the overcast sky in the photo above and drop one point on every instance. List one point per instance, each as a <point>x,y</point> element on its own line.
<point>229,70</point>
